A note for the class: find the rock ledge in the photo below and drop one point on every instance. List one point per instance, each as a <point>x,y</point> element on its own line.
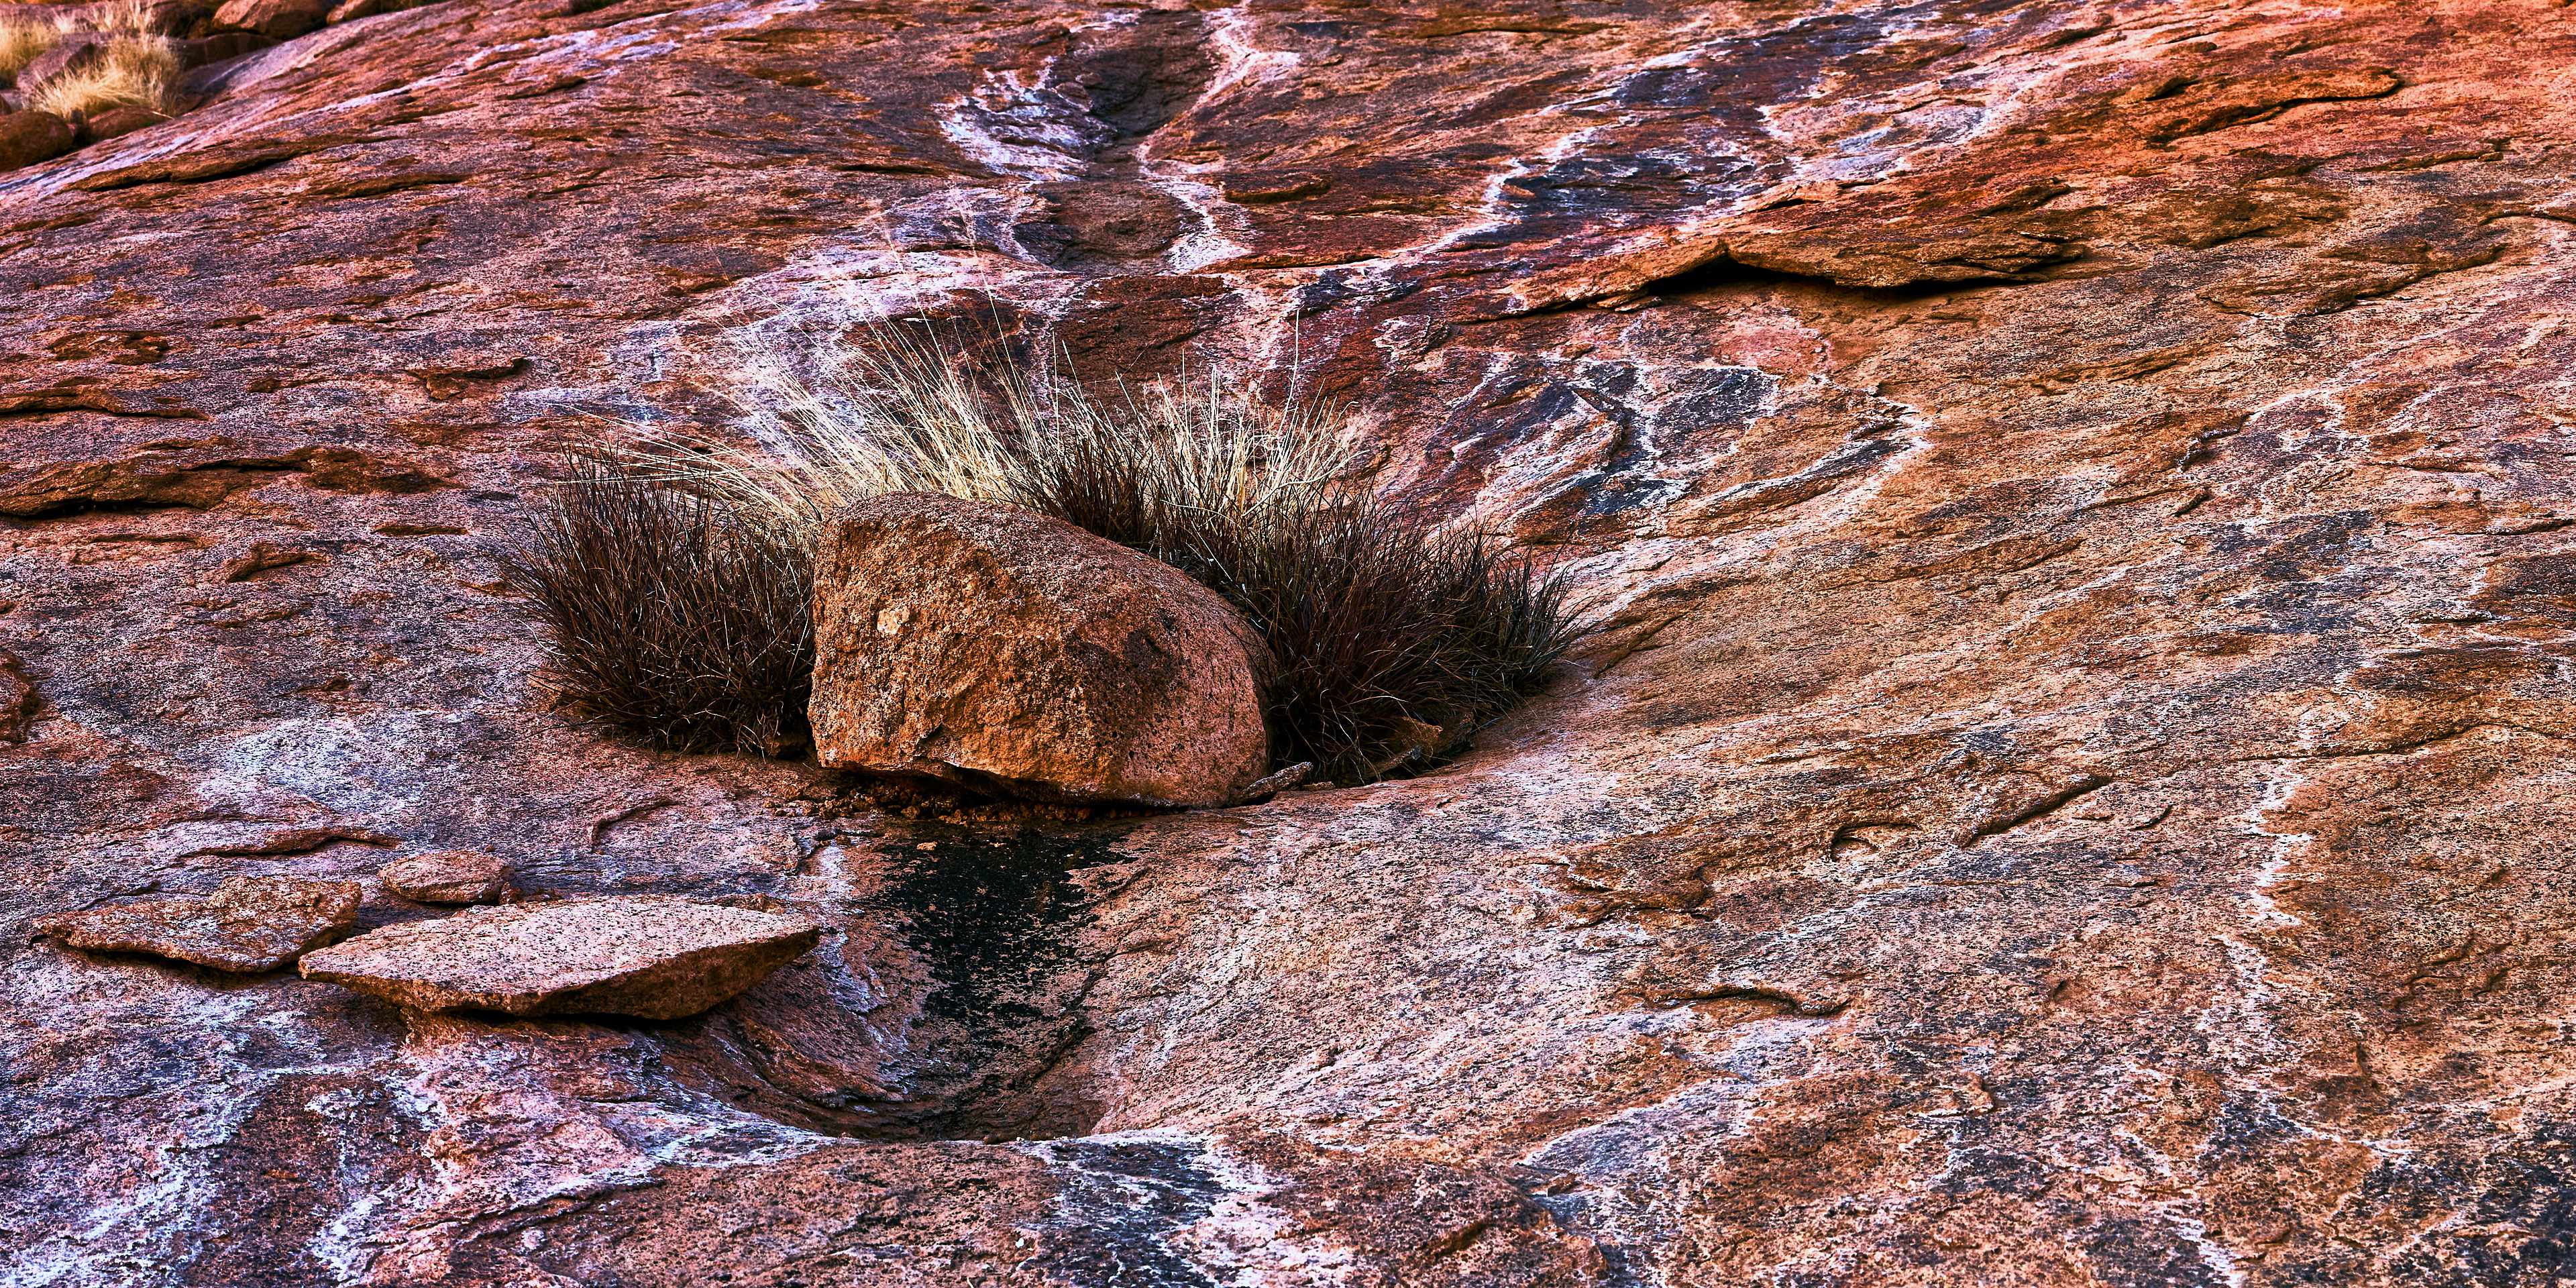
<point>658,957</point>
<point>249,924</point>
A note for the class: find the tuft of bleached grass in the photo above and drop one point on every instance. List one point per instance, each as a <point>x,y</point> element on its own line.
<point>887,409</point>
<point>131,71</point>
<point>24,40</point>
<point>128,17</point>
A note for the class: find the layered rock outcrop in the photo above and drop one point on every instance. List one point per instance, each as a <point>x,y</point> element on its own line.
<point>1000,648</point>
<point>2069,791</point>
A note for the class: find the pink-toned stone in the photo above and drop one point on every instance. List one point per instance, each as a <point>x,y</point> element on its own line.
<point>994,646</point>
<point>448,876</point>
<point>273,19</point>
<point>653,956</point>
<point>249,924</point>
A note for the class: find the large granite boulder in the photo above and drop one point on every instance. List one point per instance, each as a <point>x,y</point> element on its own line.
<point>655,956</point>
<point>249,924</point>
<point>994,646</point>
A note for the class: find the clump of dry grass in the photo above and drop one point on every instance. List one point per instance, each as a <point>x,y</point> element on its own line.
<point>1394,636</point>
<point>132,17</point>
<point>668,613</point>
<point>131,71</point>
<point>899,410</point>
<point>24,40</point>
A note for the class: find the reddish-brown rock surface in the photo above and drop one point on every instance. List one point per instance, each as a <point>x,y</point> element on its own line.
<point>2073,790</point>
<point>990,644</point>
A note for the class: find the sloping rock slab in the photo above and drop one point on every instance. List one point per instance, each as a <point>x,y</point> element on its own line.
<point>249,924</point>
<point>654,956</point>
<point>994,646</point>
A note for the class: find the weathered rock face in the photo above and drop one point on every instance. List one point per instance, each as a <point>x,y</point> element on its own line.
<point>448,876</point>
<point>248,924</point>
<point>2071,792</point>
<point>652,956</point>
<point>29,137</point>
<point>998,647</point>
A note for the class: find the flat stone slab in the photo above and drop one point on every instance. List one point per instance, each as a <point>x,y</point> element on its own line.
<point>448,876</point>
<point>655,956</point>
<point>248,924</point>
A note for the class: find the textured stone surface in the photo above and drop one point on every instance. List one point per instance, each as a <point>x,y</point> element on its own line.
<point>249,924</point>
<point>1002,648</point>
<point>2072,792</point>
<point>652,956</point>
<point>448,876</point>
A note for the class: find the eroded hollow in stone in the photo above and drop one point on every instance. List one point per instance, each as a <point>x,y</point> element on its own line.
<point>948,1007</point>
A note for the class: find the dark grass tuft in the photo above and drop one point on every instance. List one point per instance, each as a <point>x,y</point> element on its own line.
<point>1392,640</point>
<point>669,614</point>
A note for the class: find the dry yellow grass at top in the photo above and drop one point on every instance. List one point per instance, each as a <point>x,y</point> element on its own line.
<point>23,40</point>
<point>132,71</point>
<point>131,17</point>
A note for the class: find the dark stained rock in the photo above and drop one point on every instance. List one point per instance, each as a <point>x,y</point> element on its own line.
<point>29,137</point>
<point>116,122</point>
<point>351,10</point>
<point>249,924</point>
<point>998,647</point>
<point>219,46</point>
<point>18,699</point>
<point>175,18</point>
<point>260,557</point>
<point>448,876</point>
<point>651,956</point>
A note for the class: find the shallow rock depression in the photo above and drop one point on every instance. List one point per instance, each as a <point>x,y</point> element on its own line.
<point>2069,788</point>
